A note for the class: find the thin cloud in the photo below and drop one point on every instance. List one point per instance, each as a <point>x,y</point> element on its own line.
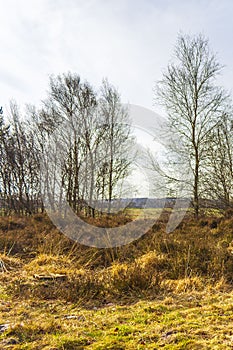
<point>128,41</point>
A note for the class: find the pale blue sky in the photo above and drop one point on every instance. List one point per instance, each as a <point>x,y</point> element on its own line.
<point>128,41</point>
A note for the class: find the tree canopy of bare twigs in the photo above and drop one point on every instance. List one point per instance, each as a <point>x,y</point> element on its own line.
<point>195,105</point>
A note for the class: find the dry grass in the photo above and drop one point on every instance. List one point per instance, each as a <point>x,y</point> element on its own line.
<point>172,291</point>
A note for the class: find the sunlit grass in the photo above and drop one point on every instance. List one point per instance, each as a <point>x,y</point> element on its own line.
<point>186,321</point>
<point>163,291</point>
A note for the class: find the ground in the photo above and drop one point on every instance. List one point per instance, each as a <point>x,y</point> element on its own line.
<point>170,292</point>
<point>181,321</point>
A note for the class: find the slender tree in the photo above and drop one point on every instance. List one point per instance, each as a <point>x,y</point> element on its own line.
<point>117,141</point>
<point>5,182</point>
<point>194,104</point>
<point>219,165</point>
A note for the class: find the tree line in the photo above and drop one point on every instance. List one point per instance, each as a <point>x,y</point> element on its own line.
<point>77,143</point>
<point>82,139</point>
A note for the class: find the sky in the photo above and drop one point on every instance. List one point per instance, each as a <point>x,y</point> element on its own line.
<point>128,41</point>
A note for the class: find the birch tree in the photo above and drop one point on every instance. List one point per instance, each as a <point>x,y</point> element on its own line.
<point>194,105</point>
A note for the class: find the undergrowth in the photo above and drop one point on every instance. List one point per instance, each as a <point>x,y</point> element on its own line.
<point>42,270</point>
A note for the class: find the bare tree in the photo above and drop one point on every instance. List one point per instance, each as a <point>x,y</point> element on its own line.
<point>5,182</point>
<point>194,104</point>
<point>219,165</point>
<point>59,126</point>
<point>19,172</point>
<point>93,133</point>
<point>116,143</point>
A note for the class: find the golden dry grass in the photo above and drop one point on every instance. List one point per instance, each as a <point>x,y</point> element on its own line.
<point>171,291</point>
